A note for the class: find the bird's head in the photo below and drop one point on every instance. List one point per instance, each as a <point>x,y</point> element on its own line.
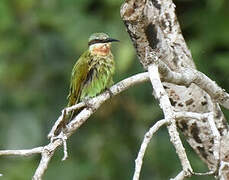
<point>100,43</point>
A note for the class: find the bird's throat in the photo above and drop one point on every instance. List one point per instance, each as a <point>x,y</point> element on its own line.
<point>101,50</point>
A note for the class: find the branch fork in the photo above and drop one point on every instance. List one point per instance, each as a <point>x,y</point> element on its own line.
<point>155,31</point>
<point>155,73</point>
<point>169,115</point>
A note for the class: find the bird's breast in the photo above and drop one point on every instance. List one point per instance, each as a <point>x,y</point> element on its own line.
<point>101,68</point>
<point>99,76</point>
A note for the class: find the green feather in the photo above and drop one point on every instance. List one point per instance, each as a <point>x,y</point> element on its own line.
<point>90,76</point>
<point>78,76</point>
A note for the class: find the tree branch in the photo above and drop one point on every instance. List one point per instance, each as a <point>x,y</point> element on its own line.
<point>48,151</point>
<point>168,76</point>
<point>187,76</point>
<point>141,153</point>
<point>153,27</point>
<point>169,114</point>
<point>24,152</point>
<point>155,32</point>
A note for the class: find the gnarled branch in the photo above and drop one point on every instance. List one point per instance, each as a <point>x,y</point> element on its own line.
<point>153,26</point>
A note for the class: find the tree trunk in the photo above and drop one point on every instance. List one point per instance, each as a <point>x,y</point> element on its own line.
<point>153,25</point>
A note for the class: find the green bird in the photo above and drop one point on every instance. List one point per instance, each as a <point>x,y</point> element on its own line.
<point>93,71</point>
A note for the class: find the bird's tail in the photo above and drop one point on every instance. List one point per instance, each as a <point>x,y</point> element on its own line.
<point>72,100</point>
<point>74,112</point>
<point>66,119</point>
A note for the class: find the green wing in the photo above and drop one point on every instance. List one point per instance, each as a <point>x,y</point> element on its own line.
<point>79,74</point>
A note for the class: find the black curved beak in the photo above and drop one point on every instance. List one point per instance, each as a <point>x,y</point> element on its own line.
<point>111,40</point>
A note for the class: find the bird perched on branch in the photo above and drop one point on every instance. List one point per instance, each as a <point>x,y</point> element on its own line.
<point>91,74</point>
<point>93,71</point>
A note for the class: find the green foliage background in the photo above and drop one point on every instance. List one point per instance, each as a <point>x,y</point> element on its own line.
<point>39,43</point>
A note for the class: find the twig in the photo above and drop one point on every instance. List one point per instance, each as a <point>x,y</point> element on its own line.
<point>204,174</point>
<point>187,76</point>
<point>65,147</point>
<point>46,155</point>
<point>75,107</point>
<point>223,165</point>
<point>144,145</point>
<point>193,115</point>
<point>216,135</point>
<point>180,176</point>
<point>24,152</point>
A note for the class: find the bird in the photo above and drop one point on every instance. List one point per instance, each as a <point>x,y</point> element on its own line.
<point>92,74</point>
<point>93,71</point>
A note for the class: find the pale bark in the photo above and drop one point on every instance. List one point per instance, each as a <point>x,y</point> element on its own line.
<point>48,150</point>
<point>153,26</point>
<point>188,98</point>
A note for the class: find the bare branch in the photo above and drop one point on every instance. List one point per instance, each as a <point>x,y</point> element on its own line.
<point>223,166</point>
<point>48,151</point>
<point>61,118</point>
<point>169,114</point>
<point>144,145</point>
<point>65,147</point>
<point>155,31</point>
<point>180,176</point>
<point>46,155</point>
<point>204,174</point>
<point>24,152</point>
<point>187,76</point>
<point>216,135</point>
<point>153,25</point>
<point>193,115</point>
<point>168,75</point>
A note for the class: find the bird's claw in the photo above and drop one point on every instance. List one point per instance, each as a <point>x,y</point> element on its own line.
<point>88,104</point>
<point>110,92</point>
<point>59,125</point>
<point>63,137</point>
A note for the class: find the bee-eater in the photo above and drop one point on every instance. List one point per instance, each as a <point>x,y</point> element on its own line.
<point>93,71</point>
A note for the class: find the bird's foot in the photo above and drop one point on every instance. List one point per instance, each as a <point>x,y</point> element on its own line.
<point>88,104</point>
<point>63,137</point>
<point>110,93</point>
<point>59,125</point>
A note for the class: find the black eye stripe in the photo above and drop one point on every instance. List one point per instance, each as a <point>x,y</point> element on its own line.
<point>98,41</point>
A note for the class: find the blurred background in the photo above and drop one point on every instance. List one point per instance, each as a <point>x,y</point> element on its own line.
<point>39,44</point>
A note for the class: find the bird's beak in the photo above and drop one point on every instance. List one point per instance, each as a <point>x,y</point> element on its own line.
<point>111,40</point>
